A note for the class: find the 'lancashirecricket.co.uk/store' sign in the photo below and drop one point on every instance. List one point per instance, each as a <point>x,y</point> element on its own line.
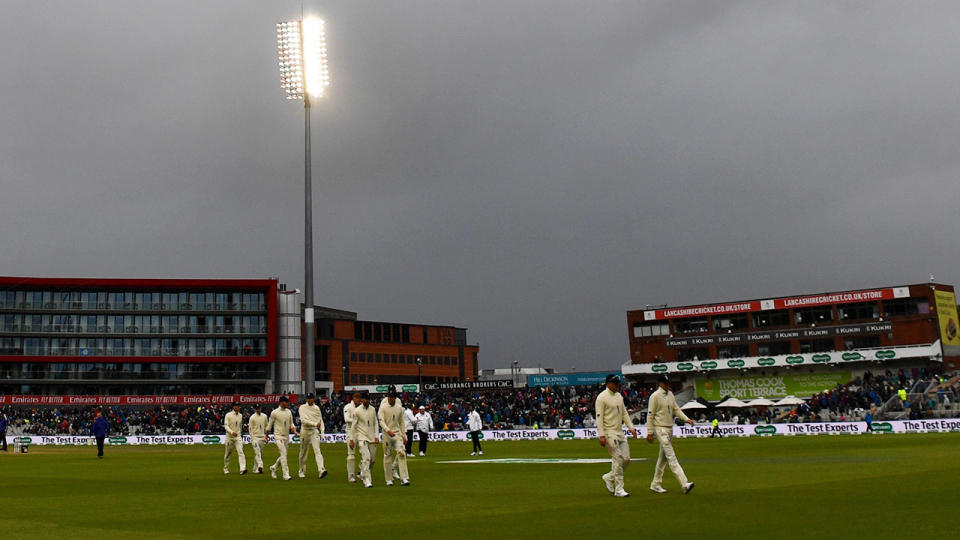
<point>870,295</point>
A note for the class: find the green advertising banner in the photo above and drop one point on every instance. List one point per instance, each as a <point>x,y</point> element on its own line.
<point>770,387</point>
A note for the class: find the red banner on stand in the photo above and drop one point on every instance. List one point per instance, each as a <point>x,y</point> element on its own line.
<point>242,399</point>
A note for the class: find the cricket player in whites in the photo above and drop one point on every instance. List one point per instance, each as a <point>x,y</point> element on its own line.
<point>663,408</point>
<point>257,426</point>
<point>364,435</point>
<point>233,425</point>
<point>611,417</point>
<point>348,412</point>
<point>311,429</point>
<point>394,437</point>
<point>281,422</point>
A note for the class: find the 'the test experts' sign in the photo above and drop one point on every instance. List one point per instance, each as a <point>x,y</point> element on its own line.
<point>699,430</point>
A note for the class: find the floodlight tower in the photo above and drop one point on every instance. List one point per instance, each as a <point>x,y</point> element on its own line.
<point>302,49</point>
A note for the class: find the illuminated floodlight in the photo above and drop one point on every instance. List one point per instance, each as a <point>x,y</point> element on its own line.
<point>302,50</point>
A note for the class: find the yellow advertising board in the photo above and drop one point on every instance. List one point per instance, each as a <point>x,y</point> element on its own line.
<point>949,322</point>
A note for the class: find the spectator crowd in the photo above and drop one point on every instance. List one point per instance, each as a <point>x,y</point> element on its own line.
<point>516,408</point>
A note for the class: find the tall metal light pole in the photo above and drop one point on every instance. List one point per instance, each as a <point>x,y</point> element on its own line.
<point>420,372</point>
<point>302,49</point>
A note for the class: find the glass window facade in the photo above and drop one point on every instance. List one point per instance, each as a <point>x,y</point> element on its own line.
<point>132,323</point>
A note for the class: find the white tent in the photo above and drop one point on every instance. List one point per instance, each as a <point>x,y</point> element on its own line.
<point>732,402</point>
<point>692,405</point>
<point>789,401</point>
<point>760,402</point>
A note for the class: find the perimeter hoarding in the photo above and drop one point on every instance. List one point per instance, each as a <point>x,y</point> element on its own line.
<point>699,430</point>
<point>570,379</point>
<point>949,322</point>
<point>770,387</point>
<point>243,399</point>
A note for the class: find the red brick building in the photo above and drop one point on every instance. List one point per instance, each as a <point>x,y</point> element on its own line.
<point>914,321</point>
<point>373,352</point>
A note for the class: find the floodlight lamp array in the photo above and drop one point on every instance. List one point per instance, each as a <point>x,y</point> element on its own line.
<point>302,51</point>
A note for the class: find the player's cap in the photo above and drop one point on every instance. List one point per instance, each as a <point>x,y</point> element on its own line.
<point>235,404</point>
<point>663,379</point>
<point>257,406</point>
<point>613,378</point>
<point>309,396</point>
<point>422,408</point>
<point>392,392</point>
<point>284,399</point>
<point>365,394</point>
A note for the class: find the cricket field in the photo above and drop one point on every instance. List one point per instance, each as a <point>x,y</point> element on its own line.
<point>883,486</point>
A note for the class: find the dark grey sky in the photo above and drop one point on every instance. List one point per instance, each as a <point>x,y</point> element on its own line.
<point>527,169</point>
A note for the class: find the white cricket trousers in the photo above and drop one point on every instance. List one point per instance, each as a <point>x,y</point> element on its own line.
<point>232,444</point>
<point>368,455</point>
<point>393,449</point>
<point>667,457</point>
<point>619,451</point>
<point>310,438</point>
<point>352,459</point>
<point>282,460</point>
<point>258,443</point>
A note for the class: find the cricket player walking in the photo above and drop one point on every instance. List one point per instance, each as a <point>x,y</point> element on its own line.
<point>663,408</point>
<point>311,429</point>
<point>364,435</point>
<point>233,426</point>
<point>394,429</point>
<point>281,422</point>
<point>611,417</point>
<point>257,426</point>
<point>348,417</point>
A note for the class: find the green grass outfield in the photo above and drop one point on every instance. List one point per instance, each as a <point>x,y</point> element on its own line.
<point>884,486</point>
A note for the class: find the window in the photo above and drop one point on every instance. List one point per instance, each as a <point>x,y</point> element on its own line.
<point>694,353</point>
<point>906,306</point>
<point>863,310</point>
<point>690,326</point>
<point>862,342</point>
<point>648,329</point>
<point>773,349</point>
<point>734,351</point>
<point>768,319</point>
<point>733,322</point>
<point>817,345</point>
<point>814,315</point>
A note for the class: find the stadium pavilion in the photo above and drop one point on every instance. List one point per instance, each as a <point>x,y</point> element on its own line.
<point>867,329</point>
